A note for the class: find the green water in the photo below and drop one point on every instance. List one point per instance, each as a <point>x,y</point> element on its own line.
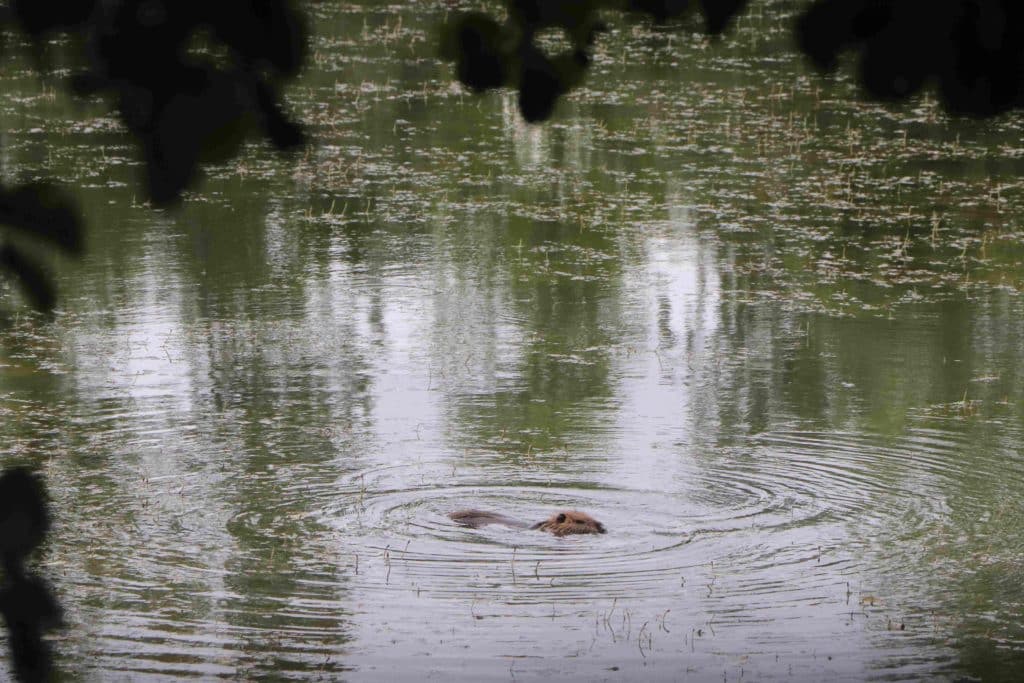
<point>771,336</point>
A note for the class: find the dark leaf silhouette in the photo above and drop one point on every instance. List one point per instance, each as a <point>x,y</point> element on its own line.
<point>489,55</point>
<point>539,87</point>
<point>34,279</point>
<point>42,210</point>
<point>973,51</point>
<point>29,608</point>
<point>473,42</point>
<point>828,28</point>
<point>27,604</point>
<point>282,131</point>
<point>267,32</point>
<point>24,517</point>
<point>199,114</point>
<point>183,111</point>
<point>717,13</point>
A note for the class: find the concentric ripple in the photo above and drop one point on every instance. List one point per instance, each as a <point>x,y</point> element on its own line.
<point>782,514</point>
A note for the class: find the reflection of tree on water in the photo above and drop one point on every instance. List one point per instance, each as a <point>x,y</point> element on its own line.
<point>279,550</point>
<point>872,371</point>
<point>549,382</point>
<point>936,383</point>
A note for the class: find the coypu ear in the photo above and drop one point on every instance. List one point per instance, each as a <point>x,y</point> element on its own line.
<point>561,517</point>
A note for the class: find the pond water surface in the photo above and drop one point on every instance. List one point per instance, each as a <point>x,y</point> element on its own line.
<point>770,335</point>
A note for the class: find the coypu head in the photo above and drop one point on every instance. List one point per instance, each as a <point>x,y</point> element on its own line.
<point>570,522</point>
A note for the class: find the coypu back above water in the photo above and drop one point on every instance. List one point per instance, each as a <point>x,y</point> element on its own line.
<point>560,524</point>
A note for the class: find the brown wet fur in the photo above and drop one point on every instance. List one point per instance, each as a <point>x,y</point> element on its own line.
<point>561,523</point>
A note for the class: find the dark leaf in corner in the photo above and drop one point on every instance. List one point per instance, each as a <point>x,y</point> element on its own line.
<point>24,516</point>
<point>29,608</point>
<point>34,279</point>
<point>43,210</point>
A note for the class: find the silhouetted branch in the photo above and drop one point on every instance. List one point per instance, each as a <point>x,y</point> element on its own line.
<point>491,55</point>
<point>183,108</point>
<point>972,50</point>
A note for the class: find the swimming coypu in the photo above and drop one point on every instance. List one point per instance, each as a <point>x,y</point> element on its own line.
<point>560,524</point>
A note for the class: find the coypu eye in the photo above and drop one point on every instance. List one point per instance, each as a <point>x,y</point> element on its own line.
<point>561,518</point>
